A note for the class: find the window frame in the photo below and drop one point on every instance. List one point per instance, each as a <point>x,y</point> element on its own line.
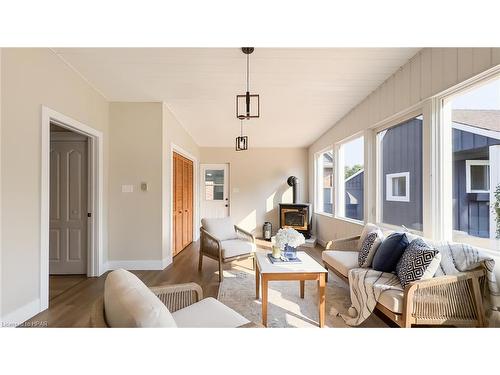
<point>468,181</point>
<point>318,182</point>
<point>389,196</point>
<point>339,213</point>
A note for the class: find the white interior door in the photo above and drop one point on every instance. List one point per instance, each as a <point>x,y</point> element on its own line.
<point>68,206</point>
<point>214,190</point>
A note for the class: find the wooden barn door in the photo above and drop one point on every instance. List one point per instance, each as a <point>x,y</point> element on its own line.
<point>183,203</point>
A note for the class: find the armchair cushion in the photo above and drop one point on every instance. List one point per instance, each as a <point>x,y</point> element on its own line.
<point>342,261</point>
<point>222,229</point>
<point>129,303</point>
<point>208,313</point>
<point>419,262</point>
<point>393,300</point>
<point>233,248</point>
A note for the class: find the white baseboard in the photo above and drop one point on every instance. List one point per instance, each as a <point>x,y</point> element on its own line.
<point>21,314</point>
<point>138,265</point>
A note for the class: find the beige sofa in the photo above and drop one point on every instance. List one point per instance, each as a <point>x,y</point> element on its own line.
<point>445,300</point>
<point>129,303</point>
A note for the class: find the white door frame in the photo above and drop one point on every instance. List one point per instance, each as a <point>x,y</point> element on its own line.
<point>95,204</point>
<point>196,230</point>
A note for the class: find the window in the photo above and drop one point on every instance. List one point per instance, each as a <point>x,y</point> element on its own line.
<point>473,122</point>
<point>399,154</point>
<point>324,182</point>
<point>351,173</point>
<point>398,187</point>
<point>477,175</point>
<point>214,184</point>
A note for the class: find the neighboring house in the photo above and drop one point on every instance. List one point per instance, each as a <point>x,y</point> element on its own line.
<point>474,132</point>
<point>402,175</point>
<point>354,195</point>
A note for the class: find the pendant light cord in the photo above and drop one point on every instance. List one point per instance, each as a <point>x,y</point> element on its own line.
<point>248,63</point>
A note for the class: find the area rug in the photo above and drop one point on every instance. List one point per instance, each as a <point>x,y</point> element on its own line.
<point>285,307</point>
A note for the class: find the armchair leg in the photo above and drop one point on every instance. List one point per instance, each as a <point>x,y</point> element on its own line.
<point>253,263</point>
<point>200,261</point>
<point>221,273</point>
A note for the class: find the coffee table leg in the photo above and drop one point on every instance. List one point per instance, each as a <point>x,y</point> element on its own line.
<point>257,282</point>
<point>321,304</point>
<point>302,285</point>
<point>264,300</point>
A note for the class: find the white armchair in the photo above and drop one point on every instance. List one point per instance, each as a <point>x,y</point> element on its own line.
<point>224,242</point>
<point>128,303</point>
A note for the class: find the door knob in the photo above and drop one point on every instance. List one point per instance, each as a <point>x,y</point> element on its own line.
<point>180,211</point>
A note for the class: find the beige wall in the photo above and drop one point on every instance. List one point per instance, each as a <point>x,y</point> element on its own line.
<point>135,131</point>
<point>174,135</point>
<point>32,78</point>
<point>259,176</point>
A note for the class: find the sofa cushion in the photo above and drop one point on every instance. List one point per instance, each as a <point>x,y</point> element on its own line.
<point>341,261</point>
<point>233,248</point>
<point>389,252</point>
<point>367,229</point>
<point>392,299</point>
<point>419,262</point>
<point>369,248</point>
<point>220,228</point>
<point>208,313</point>
<point>128,302</point>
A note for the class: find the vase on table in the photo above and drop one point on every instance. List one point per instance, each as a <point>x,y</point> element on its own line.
<point>290,252</point>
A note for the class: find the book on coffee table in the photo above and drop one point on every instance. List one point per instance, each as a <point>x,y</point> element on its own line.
<point>279,260</point>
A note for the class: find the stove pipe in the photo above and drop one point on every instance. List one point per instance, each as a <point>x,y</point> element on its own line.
<point>294,183</point>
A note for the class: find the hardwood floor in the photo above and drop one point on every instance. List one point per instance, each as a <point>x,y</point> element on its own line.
<point>58,284</point>
<point>72,307</point>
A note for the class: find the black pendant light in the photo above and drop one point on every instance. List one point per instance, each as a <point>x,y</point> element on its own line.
<point>242,140</point>
<point>247,105</point>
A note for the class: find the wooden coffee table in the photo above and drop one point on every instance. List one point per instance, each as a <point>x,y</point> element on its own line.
<point>308,269</point>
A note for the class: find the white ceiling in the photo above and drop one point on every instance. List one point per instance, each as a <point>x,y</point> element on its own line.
<point>303,91</point>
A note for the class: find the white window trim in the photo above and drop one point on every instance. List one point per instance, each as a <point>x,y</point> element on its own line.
<point>468,164</point>
<point>318,198</point>
<point>388,185</point>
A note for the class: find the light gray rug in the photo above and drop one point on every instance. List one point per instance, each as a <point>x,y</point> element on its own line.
<point>285,307</point>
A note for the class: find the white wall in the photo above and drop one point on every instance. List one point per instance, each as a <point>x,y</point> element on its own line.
<point>135,219</point>
<point>428,73</point>
<point>260,175</point>
<point>32,78</point>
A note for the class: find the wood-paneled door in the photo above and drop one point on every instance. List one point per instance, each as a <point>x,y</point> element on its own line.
<point>183,202</point>
<point>68,204</point>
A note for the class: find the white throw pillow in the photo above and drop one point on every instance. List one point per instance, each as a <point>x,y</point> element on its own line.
<point>222,229</point>
<point>369,227</point>
<point>129,303</point>
<point>369,247</point>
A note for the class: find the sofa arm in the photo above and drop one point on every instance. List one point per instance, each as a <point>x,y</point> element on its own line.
<point>345,244</point>
<point>243,233</point>
<point>448,299</point>
<point>178,296</point>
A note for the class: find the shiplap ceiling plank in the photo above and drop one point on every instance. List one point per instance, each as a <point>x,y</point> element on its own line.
<point>306,90</point>
<point>415,79</point>
<point>465,65</point>
<point>450,61</point>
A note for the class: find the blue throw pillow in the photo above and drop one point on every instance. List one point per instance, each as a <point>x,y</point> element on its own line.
<point>389,252</point>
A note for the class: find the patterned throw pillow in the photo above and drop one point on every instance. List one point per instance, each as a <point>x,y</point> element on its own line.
<point>368,248</point>
<point>418,262</point>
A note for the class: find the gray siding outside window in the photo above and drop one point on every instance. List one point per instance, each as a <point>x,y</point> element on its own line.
<point>402,152</point>
<point>354,188</point>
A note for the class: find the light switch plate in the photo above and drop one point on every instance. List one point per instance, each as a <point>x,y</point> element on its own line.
<point>127,188</point>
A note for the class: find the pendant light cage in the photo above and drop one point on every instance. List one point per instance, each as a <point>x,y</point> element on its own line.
<point>242,140</point>
<point>247,105</point>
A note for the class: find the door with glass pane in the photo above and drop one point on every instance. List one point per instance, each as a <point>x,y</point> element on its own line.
<point>214,190</point>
